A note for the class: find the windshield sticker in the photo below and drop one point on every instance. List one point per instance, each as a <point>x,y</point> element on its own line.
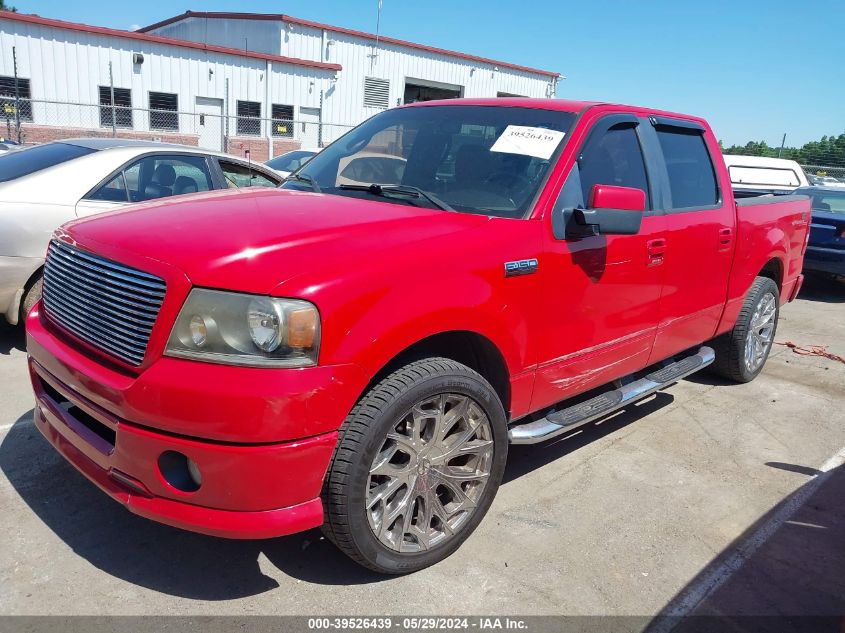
<point>528,141</point>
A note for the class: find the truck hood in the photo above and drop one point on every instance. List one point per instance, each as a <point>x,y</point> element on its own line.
<point>253,241</point>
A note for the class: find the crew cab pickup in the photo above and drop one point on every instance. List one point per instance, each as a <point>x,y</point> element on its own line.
<point>357,350</point>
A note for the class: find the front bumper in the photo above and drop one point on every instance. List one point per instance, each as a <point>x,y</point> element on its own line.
<point>113,428</point>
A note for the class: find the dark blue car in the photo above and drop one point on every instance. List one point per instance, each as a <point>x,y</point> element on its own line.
<point>826,250</point>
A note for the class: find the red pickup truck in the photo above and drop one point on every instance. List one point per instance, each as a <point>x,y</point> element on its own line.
<point>357,350</point>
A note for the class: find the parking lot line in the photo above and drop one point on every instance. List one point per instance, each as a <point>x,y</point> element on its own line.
<point>701,590</point>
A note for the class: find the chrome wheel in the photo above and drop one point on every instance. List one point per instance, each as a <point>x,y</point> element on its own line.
<point>430,472</point>
<point>760,332</point>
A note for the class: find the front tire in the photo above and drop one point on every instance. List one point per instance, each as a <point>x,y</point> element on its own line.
<point>30,298</point>
<point>419,460</point>
<point>742,352</point>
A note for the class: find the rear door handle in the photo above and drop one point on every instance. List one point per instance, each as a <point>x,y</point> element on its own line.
<point>656,251</point>
<point>726,238</point>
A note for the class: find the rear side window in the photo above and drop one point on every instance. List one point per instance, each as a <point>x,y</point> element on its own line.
<point>28,161</point>
<point>238,175</point>
<point>692,179</point>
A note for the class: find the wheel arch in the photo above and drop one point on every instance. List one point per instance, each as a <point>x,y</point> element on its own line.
<point>773,269</point>
<point>467,347</point>
<point>13,312</point>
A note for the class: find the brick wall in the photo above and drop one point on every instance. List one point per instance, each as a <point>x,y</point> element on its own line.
<point>259,147</point>
<point>236,145</point>
<point>34,133</point>
<point>280,146</point>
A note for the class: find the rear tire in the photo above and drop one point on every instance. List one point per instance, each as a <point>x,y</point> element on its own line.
<point>418,462</point>
<point>742,353</point>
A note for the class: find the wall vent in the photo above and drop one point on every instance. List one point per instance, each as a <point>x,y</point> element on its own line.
<point>376,93</point>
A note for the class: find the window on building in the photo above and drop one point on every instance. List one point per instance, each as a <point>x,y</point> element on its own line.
<point>692,179</point>
<point>376,93</point>
<point>249,118</point>
<point>121,108</point>
<point>283,120</point>
<point>7,99</point>
<point>164,109</point>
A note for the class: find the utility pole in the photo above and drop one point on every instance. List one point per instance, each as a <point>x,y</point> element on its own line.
<point>374,54</point>
<point>17,95</point>
<point>782,143</point>
<point>113,113</point>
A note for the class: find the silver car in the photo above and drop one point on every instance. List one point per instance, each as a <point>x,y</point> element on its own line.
<point>43,187</point>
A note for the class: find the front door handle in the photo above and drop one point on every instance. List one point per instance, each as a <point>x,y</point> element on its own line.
<point>656,251</point>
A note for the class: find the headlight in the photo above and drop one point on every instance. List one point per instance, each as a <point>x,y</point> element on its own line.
<point>241,329</point>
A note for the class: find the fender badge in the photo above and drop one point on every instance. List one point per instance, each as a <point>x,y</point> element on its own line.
<point>521,267</point>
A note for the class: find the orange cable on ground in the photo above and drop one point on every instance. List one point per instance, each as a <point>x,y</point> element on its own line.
<point>813,350</point>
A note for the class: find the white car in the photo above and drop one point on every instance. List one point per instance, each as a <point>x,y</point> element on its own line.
<point>287,163</point>
<point>829,181</point>
<point>43,187</point>
<point>759,175</point>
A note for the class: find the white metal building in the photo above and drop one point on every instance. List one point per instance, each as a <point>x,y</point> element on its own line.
<point>231,81</point>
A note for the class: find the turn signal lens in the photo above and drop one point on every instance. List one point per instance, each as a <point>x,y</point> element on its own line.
<point>302,328</point>
<point>199,330</point>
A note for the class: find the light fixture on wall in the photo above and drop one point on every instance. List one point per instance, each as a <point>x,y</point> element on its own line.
<point>137,58</point>
<point>310,87</point>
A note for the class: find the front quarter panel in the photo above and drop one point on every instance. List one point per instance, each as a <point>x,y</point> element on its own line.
<point>373,310</point>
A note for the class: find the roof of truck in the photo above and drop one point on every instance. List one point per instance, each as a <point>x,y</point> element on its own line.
<point>563,105</point>
<point>560,105</point>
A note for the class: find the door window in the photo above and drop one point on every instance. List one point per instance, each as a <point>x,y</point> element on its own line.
<point>113,191</point>
<point>155,177</point>
<point>692,179</point>
<point>613,157</point>
<point>238,175</point>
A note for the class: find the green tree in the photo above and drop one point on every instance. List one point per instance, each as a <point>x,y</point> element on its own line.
<point>5,7</point>
<point>828,151</point>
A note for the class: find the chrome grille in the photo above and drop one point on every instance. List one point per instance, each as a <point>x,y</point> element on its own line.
<point>111,306</point>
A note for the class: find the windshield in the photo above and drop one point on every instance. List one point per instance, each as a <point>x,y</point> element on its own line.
<point>290,161</point>
<point>28,161</point>
<point>488,160</point>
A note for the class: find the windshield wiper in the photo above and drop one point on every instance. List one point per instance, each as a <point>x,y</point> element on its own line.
<point>308,180</point>
<point>400,190</point>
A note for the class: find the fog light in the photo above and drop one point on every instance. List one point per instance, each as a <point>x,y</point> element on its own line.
<point>179,471</point>
<point>194,472</point>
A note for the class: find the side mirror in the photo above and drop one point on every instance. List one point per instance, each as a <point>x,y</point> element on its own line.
<point>613,210</point>
<point>612,197</point>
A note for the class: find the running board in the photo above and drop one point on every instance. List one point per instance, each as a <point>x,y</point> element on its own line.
<point>609,401</point>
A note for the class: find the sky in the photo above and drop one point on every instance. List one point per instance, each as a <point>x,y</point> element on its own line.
<point>756,69</point>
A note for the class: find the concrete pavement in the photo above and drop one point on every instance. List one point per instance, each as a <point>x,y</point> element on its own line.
<point>626,517</point>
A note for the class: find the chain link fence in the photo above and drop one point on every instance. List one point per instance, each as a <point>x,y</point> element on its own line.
<point>211,126</point>
<point>32,121</point>
<point>825,171</point>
